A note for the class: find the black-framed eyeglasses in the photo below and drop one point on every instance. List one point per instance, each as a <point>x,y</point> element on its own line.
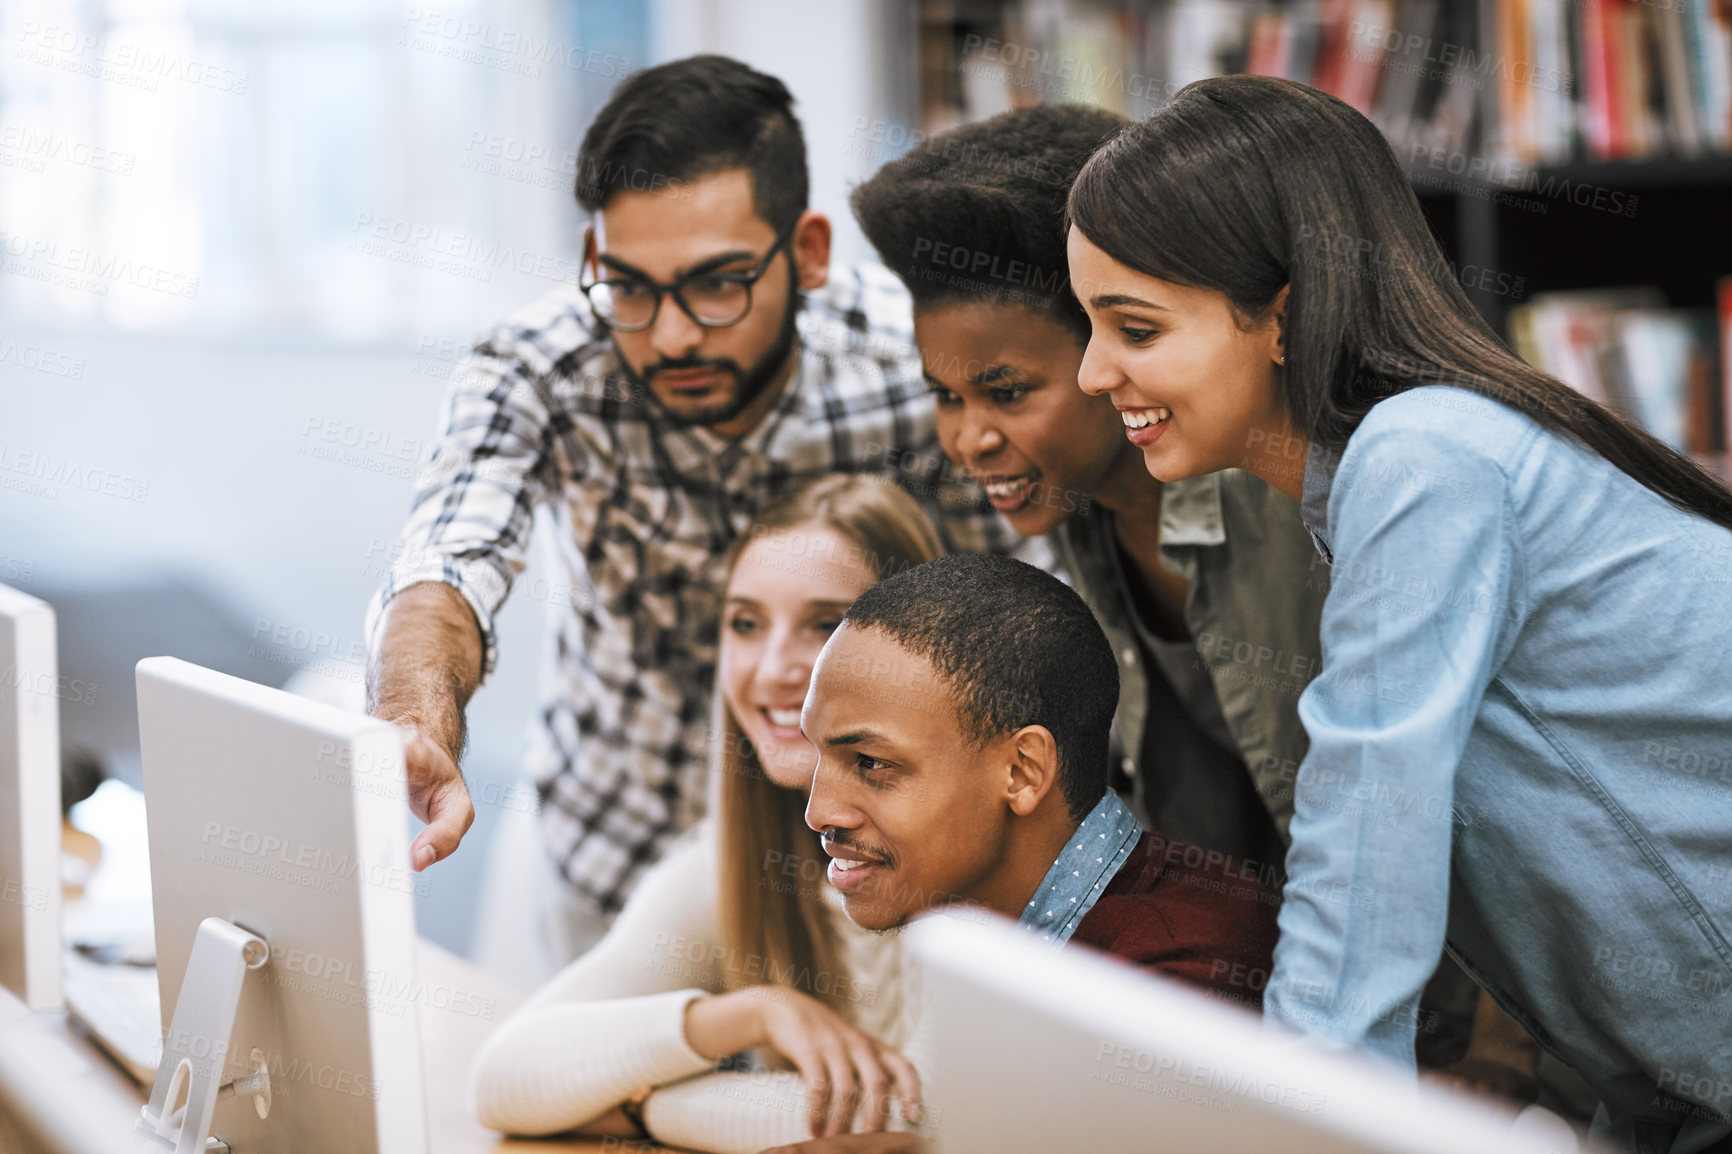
<point>630,304</point>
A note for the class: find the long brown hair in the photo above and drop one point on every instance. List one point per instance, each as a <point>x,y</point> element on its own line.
<point>1244,184</point>
<point>775,925</point>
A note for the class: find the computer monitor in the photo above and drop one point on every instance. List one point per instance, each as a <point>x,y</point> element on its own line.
<point>29,801</point>
<point>285,818</point>
<point>1037,1048</point>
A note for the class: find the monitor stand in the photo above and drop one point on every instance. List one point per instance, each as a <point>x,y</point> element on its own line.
<point>195,1052</point>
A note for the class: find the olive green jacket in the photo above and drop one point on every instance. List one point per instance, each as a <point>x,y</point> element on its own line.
<point>1257,586</point>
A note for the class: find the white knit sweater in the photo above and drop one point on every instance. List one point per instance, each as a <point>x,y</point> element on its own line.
<point>614,1021</point>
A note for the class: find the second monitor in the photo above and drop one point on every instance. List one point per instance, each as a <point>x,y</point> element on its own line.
<point>29,801</point>
<point>279,864</point>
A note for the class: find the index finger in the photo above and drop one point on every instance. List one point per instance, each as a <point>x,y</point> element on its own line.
<point>814,1080</point>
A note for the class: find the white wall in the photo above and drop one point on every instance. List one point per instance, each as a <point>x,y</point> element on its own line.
<point>236,505</point>
<point>830,53</point>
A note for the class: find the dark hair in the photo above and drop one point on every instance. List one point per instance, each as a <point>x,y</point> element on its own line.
<point>1017,645</point>
<point>1244,184</point>
<point>991,195</point>
<point>692,118</point>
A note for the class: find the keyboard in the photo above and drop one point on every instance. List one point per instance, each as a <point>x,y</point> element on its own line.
<point>118,1006</point>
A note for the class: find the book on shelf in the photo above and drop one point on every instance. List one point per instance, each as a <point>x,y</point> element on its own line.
<point>1610,80</point>
<point>1530,82</point>
<point>1624,348</point>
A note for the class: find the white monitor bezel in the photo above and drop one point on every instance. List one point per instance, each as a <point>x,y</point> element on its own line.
<point>30,818</point>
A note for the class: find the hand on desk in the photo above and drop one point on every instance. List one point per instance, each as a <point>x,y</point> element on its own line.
<point>846,1071</point>
<point>881,1143</point>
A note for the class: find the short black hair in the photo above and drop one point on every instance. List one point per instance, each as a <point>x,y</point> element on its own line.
<point>692,118</point>
<point>977,213</point>
<point>1018,646</point>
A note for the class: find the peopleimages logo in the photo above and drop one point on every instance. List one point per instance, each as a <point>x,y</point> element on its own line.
<point>87,270</point>
<point>992,265</point>
<point>132,65</point>
<point>65,471</point>
<point>459,253</point>
<point>14,892</point>
<point>40,359</point>
<point>298,863</point>
<point>1041,70</point>
<point>33,150</point>
<point>1227,1084</point>
<point>62,687</point>
<point>501,47</point>
<point>1399,47</point>
<point>392,988</point>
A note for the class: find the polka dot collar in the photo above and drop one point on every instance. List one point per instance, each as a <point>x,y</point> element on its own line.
<point>1085,866</point>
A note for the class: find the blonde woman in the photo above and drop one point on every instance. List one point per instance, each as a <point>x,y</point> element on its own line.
<point>735,942</point>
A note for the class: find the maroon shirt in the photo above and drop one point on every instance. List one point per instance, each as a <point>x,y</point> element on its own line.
<point>1178,910</point>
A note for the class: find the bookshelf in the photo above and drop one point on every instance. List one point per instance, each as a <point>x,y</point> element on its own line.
<point>1555,146</point>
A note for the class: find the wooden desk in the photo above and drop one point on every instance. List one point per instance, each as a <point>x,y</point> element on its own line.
<point>59,1094</point>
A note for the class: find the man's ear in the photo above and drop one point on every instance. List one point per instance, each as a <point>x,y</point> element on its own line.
<point>592,251</point>
<point>811,248</point>
<point>1033,768</point>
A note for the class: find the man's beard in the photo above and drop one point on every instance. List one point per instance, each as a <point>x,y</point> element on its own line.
<point>749,384</point>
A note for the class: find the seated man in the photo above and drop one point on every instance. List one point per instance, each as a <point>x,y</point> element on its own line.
<point>961,713</point>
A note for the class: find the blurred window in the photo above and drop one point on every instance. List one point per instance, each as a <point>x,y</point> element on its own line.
<point>345,170</point>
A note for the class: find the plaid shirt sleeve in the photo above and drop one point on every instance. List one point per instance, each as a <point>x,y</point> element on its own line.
<point>475,499</point>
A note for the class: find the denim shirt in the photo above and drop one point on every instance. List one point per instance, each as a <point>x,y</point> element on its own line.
<point>1521,733</point>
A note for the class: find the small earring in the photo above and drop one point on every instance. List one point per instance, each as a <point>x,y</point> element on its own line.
<point>1281,360</point>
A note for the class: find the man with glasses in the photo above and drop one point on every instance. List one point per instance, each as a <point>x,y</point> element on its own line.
<point>707,360</point>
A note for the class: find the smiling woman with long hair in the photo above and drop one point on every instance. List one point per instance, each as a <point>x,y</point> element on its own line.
<point>1520,731</point>
<point>735,941</point>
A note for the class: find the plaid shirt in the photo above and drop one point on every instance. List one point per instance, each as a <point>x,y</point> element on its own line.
<point>642,512</point>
